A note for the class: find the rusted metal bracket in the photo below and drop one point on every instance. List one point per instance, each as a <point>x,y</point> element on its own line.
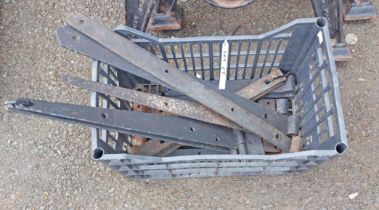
<point>181,107</point>
<point>157,148</point>
<point>297,143</point>
<point>261,87</point>
<point>166,15</point>
<point>148,147</point>
<point>233,107</point>
<point>153,15</point>
<point>138,13</point>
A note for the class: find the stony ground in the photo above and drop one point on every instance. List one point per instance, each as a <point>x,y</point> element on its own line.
<point>48,165</point>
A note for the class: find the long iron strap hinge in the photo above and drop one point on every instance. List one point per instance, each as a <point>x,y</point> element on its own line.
<point>167,128</point>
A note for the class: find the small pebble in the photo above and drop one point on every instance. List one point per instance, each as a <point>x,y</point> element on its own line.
<point>351,39</point>
<point>353,195</point>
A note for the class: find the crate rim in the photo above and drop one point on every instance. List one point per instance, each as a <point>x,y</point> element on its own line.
<point>122,156</point>
<point>268,34</point>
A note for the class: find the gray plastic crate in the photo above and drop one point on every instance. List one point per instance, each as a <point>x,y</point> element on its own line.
<point>301,48</point>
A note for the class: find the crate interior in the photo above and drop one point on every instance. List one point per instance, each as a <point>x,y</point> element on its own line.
<point>250,58</point>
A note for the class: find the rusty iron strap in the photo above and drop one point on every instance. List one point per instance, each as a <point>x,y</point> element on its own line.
<point>261,87</point>
<point>157,148</point>
<point>181,107</point>
<point>175,106</point>
<point>223,103</point>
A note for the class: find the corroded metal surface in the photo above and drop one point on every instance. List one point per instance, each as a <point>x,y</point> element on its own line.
<point>165,16</point>
<point>266,84</point>
<point>297,143</point>
<point>181,107</point>
<point>157,148</point>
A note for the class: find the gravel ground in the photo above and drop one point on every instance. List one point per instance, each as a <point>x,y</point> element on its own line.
<point>47,164</point>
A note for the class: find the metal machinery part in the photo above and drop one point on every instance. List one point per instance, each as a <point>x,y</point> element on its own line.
<point>333,11</point>
<point>360,10</point>
<point>165,16</point>
<point>229,4</point>
<point>336,12</point>
<point>153,14</point>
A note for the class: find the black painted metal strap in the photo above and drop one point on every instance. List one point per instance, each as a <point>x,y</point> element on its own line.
<point>167,128</point>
